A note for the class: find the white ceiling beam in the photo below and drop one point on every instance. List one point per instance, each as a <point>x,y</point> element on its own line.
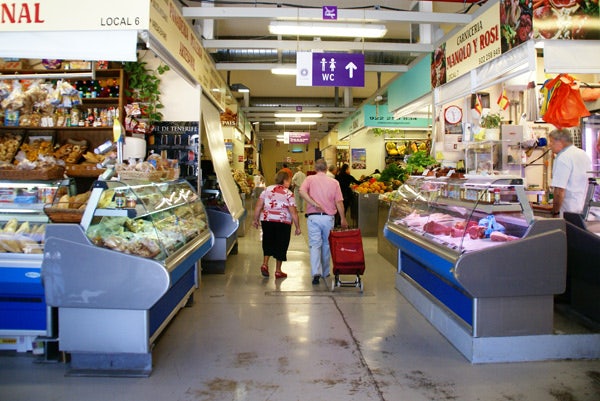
<point>283,109</point>
<point>317,14</point>
<point>309,45</point>
<point>396,68</point>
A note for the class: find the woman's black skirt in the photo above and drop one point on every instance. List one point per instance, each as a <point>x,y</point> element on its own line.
<point>276,239</point>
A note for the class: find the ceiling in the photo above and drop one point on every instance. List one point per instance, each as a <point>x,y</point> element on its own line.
<point>236,35</point>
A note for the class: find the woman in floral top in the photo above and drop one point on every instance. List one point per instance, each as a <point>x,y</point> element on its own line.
<point>276,210</point>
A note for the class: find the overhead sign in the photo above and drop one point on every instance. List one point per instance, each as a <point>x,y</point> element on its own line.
<point>474,45</point>
<point>330,69</point>
<point>296,137</point>
<point>379,116</point>
<point>46,15</point>
<point>330,12</point>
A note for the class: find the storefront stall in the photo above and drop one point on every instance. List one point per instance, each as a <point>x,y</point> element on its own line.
<point>377,139</point>
<point>145,264</point>
<point>493,301</point>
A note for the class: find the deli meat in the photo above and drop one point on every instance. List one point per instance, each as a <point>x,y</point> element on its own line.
<point>436,228</point>
<point>476,232</point>
<point>501,237</point>
<point>457,232</point>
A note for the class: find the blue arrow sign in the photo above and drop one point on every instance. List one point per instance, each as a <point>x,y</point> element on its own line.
<point>338,69</point>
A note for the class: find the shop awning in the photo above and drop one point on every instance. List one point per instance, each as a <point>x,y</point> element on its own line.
<point>216,144</point>
<point>572,56</point>
<point>518,61</point>
<point>70,45</point>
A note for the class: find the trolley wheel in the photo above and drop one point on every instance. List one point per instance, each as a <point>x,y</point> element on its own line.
<point>333,285</point>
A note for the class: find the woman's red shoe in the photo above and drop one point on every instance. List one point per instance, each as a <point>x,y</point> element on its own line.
<point>280,275</point>
<point>264,269</point>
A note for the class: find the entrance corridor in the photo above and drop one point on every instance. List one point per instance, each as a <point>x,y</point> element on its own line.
<point>255,339</point>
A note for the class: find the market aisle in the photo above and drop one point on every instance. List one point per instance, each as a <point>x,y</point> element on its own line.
<point>249,338</point>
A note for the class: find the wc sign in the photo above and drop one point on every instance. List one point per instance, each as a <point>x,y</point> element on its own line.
<point>330,69</point>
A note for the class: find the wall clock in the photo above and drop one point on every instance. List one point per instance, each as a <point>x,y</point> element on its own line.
<point>453,114</point>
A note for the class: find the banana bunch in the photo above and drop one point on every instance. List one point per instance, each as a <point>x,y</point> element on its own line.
<point>390,148</point>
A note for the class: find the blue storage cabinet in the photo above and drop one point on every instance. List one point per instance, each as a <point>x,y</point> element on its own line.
<point>24,315</point>
<point>225,229</point>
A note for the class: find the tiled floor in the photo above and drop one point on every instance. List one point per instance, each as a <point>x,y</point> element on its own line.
<point>249,338</point>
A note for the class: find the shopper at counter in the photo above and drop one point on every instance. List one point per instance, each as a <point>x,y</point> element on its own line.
<point>276,210</point>
<point>297,181</point>
<point>324,198</point>
<point>331,171</point>
<point>287,170</point>
<point>569,173</point>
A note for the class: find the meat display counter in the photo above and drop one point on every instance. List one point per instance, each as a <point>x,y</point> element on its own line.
<point>474,248</point>
<point>583,247</point>
<point>121,275</point>
<point>24,314</point>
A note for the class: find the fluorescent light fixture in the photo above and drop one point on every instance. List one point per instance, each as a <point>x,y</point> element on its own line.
<point>298,115</point>
<point>239,88</point>
<point>327,29</point>
<point>295,123</point>
<point>283,70</point>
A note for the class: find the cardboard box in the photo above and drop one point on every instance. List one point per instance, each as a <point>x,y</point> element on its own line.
<point>13,64</point>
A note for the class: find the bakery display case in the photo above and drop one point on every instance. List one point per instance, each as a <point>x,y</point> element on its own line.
<point>475,248</point>
<point>24,314</point>
<point>121,275</point>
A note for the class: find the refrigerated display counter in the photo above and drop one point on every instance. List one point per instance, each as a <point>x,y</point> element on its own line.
<point>482,269</point>
<point>583,249</point>
<point>24,315</point>
<point>120,276</point>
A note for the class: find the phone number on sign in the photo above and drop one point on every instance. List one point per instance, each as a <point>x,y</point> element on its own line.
<point>489,55</point>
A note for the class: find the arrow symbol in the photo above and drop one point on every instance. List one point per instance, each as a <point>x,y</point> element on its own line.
<point>351,67</point>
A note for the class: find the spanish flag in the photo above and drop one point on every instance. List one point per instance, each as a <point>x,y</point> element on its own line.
<point>503,101</point>
<point>478,106</point>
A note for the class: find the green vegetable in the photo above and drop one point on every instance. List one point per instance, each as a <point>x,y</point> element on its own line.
<point>393,172</point>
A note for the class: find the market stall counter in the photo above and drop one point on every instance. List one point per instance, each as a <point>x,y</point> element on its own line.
<point>225,229</point>
<point>363,212</point>
<point>475,261</point>
<point>583,247</point>
<point>121,275</point>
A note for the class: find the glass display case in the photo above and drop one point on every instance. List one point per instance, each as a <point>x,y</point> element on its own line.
<point>152,220</point>
<point>23,310</point>
<point>483,157</point>
<point>137,250</point>
<point>463,215</point>
<point>475,246</point>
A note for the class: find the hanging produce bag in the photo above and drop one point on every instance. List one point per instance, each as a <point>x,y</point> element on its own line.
<point>562,105</point>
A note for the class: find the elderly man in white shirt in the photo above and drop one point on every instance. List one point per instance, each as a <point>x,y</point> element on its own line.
<point>569,173</point>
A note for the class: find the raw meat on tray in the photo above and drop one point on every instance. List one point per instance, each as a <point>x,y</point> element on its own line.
<point>435,228</point>
<point>501,237</point>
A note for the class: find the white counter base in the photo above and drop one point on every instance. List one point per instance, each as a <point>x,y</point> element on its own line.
<point>497,349</point>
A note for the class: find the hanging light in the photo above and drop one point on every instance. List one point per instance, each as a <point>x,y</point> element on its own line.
<point>330,29</point>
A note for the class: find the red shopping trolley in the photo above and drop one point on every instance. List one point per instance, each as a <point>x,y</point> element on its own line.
<point>347,255</point>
